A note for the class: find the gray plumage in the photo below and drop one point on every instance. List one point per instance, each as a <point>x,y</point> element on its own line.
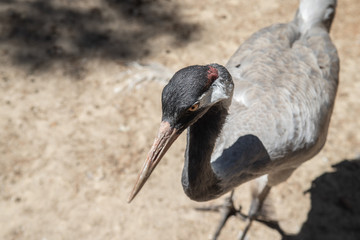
<point>263,114</point>
<point>285,78</point>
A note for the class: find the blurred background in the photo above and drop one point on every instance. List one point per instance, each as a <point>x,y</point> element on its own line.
<point>80,89</point>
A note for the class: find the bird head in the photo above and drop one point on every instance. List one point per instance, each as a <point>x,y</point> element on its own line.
<point>189,94</point>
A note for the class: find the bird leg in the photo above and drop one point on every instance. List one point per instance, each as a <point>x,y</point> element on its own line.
<point>228,209</point>
<point>255,209</point>
<point>274,225</point>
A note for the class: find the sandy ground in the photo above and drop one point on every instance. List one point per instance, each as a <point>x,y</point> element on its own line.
<point>80,85</point>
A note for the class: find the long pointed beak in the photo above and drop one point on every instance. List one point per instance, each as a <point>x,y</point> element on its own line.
<point>166,136</point>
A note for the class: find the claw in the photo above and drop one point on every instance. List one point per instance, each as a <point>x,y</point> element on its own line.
<point>227,209</point>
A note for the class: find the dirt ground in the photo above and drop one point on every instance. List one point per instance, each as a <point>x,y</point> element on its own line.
<point>80,85</point>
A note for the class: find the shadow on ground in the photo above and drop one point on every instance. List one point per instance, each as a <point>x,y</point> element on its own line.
<point>36,34</point>
<point>335,205</point>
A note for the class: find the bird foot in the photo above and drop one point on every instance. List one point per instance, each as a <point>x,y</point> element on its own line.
<point>227,209</point>
<point>273,225</point>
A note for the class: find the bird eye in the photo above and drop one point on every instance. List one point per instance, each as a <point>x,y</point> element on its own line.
<point>194,107</point>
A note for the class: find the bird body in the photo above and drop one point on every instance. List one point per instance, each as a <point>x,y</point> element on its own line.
<point>285,79</point>
<point>264,114</point>
<point>285,87</point>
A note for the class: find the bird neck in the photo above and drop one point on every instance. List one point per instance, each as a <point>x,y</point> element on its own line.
<point>198,178</point>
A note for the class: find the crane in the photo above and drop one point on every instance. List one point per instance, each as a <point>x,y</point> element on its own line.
<point>258,117</point>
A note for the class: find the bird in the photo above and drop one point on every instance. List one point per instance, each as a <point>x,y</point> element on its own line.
<point>260,116</point>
